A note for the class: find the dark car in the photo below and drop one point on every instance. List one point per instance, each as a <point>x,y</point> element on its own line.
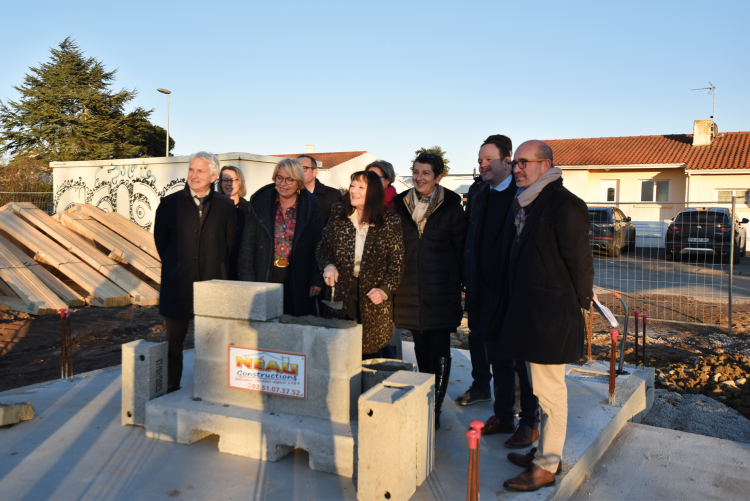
<point>611,230</point>
<point>705,231</point>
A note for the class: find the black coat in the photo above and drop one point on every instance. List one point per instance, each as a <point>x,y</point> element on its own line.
<point>429,297</point>
<point>241,209</point>
<point>550,277</point>
<point>327,196</point>
<point>192,249</point>
<point>256,249</point>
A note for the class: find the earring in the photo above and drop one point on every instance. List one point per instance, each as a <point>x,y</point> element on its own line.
<point>298,192</point>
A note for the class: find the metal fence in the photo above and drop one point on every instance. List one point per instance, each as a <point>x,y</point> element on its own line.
<point>42,199</point>
<point>680,273</point>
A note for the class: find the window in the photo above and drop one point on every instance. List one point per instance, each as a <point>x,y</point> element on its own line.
<point>610,194</point>
<point>725,196</point>
<point>654,191</point>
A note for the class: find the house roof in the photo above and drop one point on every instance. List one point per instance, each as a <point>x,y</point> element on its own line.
<point>329,160</point>
<point>731,150</point>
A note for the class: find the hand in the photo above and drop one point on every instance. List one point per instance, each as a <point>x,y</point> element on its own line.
<point>377,296</point>
<point>331,275</point>
<point>596,298</point>
<point>314,291</point>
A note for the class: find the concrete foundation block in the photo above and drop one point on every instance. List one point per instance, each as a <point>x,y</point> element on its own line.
<point>377,370</point>
<point>144,377</point>
<point>387,452</point>
<point>238,300</point>
<point>15,413</point>
<point>424,385</point>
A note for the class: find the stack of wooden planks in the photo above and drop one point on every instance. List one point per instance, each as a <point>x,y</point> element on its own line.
<point>84,256</point>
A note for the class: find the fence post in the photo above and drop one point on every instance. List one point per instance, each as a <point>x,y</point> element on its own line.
<point>731,265</point>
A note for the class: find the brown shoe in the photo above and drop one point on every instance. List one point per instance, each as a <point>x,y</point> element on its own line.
<point>525,460</point>
<point>522,438</point>
<point>531,479</point>
<point>494,425</point>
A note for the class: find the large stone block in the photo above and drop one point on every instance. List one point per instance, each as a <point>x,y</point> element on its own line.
<point>144,377</point>
<point>424,384</point>
<point>387,452</point>
<point>377,370</point>
<point>334,357</point>
<point>238,300</point>
<point>15,413</point>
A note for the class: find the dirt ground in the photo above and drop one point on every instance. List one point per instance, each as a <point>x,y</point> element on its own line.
<point>688,358</point>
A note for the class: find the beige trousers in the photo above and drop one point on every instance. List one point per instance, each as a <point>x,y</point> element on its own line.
<point>548,384</point>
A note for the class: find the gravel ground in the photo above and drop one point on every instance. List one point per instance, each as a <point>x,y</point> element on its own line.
<point>697,414</point>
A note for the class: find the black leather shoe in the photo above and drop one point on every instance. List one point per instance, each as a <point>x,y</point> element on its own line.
<point>474,395</point>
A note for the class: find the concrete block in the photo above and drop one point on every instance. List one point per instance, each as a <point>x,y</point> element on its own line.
<point>424,384</point>
<point>238,300</point>
<point>15,413</point>
<point>144,377</point>
<point>377,370</point>
<point>387,452</point>
<point>334,358</point>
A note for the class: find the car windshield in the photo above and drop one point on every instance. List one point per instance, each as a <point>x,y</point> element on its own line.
<point>598,216</point>
<point>702,217</point>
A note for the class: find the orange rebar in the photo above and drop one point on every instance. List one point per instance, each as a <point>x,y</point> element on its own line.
<point>612,366</point>
<point>472,484</point>
<point>636,314</point>
<point>645,319</point>
<point>590,327</point>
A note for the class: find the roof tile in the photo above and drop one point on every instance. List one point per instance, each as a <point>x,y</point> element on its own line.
<point>329,160</point>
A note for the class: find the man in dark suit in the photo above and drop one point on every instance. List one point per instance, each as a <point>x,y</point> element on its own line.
<point>485,279</point>
<point>550,277</point>
<point>326,196</point>
<point>194,232</point>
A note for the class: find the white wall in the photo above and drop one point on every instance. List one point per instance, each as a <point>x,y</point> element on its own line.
<point>340,176</point>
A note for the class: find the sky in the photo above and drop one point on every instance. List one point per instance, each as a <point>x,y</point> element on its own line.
<point>391,77</point>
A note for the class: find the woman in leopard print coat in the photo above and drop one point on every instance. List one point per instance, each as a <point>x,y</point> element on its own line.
<point>380,267</point>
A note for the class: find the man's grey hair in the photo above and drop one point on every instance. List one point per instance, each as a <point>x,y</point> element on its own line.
<point>544,151</point>
<point>213,161</point>
<point>386,167</point>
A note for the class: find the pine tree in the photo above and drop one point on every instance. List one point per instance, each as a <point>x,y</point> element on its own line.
<point>68,111</point>
<point>438,151</point>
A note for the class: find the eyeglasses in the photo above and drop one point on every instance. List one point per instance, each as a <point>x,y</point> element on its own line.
<point>522,163</point>
<point>230,181</point>
<point>285,180</point>
<point>305,168</point>
<point>428,155</point>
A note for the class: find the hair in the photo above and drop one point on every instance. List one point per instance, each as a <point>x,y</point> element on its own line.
<point>213,161</point>
<point>503,143</point>
<point>240,178</point>
<point>544,151</point>
<point>314,162</point>
<point>374,200</point>
<point>386,167</point>
<point>293,168</point>
<point>435,161</point>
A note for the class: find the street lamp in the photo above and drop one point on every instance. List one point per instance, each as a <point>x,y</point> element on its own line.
<point>165,91</point>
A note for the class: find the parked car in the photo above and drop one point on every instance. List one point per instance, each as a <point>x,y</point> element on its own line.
<point>705,231</point>
<point>611,230</point>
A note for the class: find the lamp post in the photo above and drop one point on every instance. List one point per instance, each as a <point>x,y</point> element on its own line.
<point>165,91</point>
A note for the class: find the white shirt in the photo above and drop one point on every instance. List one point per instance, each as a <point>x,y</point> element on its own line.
<point>504,184</point>
<point>359,242</point>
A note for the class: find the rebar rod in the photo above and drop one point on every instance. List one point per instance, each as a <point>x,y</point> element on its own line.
<point>612,366</point>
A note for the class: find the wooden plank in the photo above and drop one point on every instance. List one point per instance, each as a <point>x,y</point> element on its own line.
<point>121,249</point>
<point>130,231</point>
<point>102,291</point>
<point>140,292</point>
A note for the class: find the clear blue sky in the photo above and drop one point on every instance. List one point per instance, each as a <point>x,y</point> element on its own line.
<point>390,77</point>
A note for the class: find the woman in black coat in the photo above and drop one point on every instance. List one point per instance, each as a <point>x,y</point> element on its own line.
<point>232,184</point>
<point>428,301</point>
<point>284,226</point>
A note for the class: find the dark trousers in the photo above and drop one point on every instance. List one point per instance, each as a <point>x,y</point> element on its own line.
<point>504,387</point>
<point>176,331</point>
<point>430,345</point>
<point>282,276</point>
<point>480,367</point>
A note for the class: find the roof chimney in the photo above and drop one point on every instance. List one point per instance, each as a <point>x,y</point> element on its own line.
<point>702,132</point>
<point>310,148</point>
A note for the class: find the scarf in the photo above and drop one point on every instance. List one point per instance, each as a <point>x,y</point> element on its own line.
<point>421,208</point>
<point>527,196</point>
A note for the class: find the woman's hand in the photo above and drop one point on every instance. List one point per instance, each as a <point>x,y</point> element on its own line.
<point>377,296</point>
<point>330,275</point>
<point>314,291</point>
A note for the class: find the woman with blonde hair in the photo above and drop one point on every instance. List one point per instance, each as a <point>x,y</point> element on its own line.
<point>232,184</point>
<point>284,226</point>
<point>362,255</point>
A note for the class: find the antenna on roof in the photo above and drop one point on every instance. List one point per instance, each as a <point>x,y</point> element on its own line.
<point>711,90</point>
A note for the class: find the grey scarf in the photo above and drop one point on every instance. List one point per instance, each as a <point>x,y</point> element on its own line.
<point>432,201</point>
<point>527,196</point>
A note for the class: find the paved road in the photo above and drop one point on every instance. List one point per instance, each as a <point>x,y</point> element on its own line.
<point>646,271</point>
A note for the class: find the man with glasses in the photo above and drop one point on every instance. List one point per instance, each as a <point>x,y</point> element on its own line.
<point>428,301</point>
<point>327,196</point>
<point>550,277</point>
<point>485,278</point>
<point>194,232</point>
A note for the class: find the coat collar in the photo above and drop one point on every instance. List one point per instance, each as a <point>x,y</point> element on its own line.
<point>262,205</point>
<point>537,205</point>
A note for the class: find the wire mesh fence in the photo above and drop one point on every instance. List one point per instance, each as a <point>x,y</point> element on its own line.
<point>673,261</point>
<point>42,199</point>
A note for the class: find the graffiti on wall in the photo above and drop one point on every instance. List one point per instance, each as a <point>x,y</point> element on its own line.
<point>129,190</point>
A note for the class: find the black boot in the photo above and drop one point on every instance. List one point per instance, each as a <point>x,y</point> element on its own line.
<point>442,366</point>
